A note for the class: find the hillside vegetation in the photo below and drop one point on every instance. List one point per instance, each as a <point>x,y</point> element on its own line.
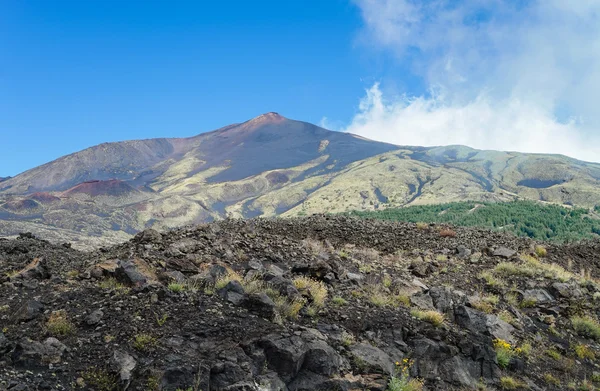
<point>524,218</point>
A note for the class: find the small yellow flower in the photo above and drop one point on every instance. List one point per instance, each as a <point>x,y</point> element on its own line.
<point>502,344</point>
<point>397,363</point>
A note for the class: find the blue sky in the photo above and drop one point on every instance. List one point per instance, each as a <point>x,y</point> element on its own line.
<point>504,74</point>
<point>78,73</point>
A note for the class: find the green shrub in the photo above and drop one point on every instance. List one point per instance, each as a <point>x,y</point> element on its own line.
<point>525,349</point>
<point>339,301</point>
<point>114,284</point>
<point>59,325</point>
<point>510,383</point>
<point>402,384</point>
<point>401,380</point>
<point>224,280</point>
<point>528,303</point>
<point>491,280</point>
<point>176,287</point>
<point>554,354</point>
<point>347,338</point>
<point>100,379</point>
<point>540,251</point>
<point>485,303</point>
<point>422,226</point>
<point>551,379</point>
<point>584,351</point>
<point>379,299</point>
<point>162,320</point>
<point>504,352</point>
<point>144,342</point>
<point>402,299</point>
<point>288,308</point>
<point>386,281</point>
<point>586,327</point>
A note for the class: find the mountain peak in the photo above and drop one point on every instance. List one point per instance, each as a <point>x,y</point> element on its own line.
<point>267,118</point>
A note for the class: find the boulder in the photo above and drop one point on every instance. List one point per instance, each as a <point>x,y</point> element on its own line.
<point>176,378</point>
<point>485,324</point>
<point>308,381</point>
<point>134,272</point>
<point>94,318</point>
<point>148,236</point>
<point>422,301</point>
<point>30,354</point>
<point>302,359</point>
<point>355,278</point>
<point>565,290</point>
<point>37,269</point>
<point>318,269</point>
<point>538,295</point>
<point>463,252</point>
<point>322,359</point>
<point>504,252</point>
<point>444,299</point>
<point>435,361</point>
<point>285,355</point>
<point>274,270</point>
<point>371,359</point>
<point>241,386</point>
<point>232,292</point>
<point>271,382</point>
<point>261,304</point>
<point>421,268</point>
<point>419,284</point>
<point>175,275</point>
<point>217,271</point>
<point>224,374</point>
<point>123,364</point>
<point>255,264</point>
<point>29,311</point>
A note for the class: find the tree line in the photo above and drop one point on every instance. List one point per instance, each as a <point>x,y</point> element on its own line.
<point>524,218</point>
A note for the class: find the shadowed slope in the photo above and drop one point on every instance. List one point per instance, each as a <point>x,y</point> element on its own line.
<point>113,187</point>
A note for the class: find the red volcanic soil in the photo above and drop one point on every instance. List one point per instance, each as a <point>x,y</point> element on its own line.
<point>44,198</point>
<point>20,205</point>
<point>96,188</point>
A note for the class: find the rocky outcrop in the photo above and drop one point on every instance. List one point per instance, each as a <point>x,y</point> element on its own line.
<point>292,306</point>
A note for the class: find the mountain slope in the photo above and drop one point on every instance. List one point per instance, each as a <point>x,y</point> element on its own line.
<point>266,142</point>
<point>269,166</point>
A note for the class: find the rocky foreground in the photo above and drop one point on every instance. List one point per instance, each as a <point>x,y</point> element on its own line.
<point>319,303</point>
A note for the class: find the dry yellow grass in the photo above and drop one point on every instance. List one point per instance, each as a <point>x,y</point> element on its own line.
<point>59,325</point>
<point>434,317</point>
<point>316,290</point>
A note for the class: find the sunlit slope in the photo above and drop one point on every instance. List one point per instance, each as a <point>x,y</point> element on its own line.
<point>271,166</point>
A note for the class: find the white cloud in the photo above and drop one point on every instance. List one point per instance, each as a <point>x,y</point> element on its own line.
<point>501,75</point>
